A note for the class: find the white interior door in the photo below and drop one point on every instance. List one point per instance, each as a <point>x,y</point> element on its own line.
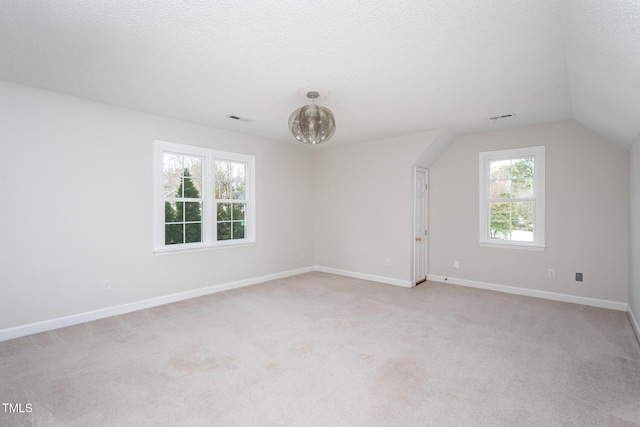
<point>420,233</point>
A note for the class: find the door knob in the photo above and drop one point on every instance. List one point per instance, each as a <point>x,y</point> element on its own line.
<point>418,239</point>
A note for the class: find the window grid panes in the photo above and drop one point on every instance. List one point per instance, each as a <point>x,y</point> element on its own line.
<point>230,192</point>
<point>512,199</point>
<point>204,198</point>
<point>182,189</point>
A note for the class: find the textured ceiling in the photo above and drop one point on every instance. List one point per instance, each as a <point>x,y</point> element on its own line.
<point>385,68</point>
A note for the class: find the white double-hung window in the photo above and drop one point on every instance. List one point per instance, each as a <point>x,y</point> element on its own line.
<point>203,198</point>
<point>512,198</point>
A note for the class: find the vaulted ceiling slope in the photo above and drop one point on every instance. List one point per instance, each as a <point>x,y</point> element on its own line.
<point>385,68</point>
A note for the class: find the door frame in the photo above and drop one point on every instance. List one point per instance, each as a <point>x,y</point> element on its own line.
<point>415,232</point>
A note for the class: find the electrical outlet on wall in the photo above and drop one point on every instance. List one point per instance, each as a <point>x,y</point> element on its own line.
<point>106,285</point>
<point>551,273</point>
<point>456,264</point>
<point>387,262</point>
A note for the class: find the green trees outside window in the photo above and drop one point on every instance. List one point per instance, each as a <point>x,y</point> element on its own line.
<point>203,198</point>
<point>182,186</point>
<point>183,213</point>
<point>230,200</point>
<point>511,200</point>
<point>183,220</point>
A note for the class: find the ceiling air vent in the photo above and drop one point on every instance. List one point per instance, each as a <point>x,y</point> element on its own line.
<point>240,119</point>
<point>494,118</point>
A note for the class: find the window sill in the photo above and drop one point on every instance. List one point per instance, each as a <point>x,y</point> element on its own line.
<point>514,245</point>
<point>172,250</point>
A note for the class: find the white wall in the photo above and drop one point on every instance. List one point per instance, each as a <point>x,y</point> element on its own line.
<point>76,191</point>
<point>364,205</point>
<point>586,215</point>
<point>76,185</point>
<point>634,214</point>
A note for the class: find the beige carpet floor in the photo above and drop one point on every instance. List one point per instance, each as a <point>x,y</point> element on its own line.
<point>324,350</point>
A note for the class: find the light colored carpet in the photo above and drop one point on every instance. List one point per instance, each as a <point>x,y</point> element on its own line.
<point>325,350</point>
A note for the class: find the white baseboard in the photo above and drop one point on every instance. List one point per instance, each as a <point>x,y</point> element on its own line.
<point>371,277</point>
<point>593,302</point>
<point>48,325</point>
<point>61,322</point>
<point>634,324</point>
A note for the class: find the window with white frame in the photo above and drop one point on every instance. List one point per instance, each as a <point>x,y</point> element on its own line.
<point>512,198</point>
<point>203,198</point>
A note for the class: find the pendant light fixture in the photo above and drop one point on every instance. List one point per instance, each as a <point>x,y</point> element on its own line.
<point>312,124</point>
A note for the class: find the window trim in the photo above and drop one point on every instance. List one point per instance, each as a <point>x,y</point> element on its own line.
<point>209,220</point>
<point>538,153</point>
